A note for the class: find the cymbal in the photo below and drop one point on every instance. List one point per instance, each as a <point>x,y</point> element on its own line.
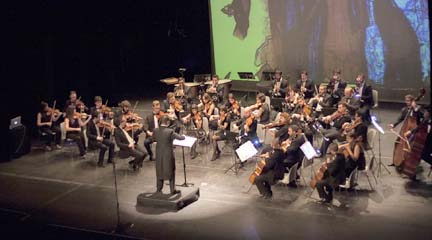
<point>170,81</point>
<point>221,81</point>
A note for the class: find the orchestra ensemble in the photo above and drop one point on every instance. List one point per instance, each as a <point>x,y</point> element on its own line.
<point>334,116</point>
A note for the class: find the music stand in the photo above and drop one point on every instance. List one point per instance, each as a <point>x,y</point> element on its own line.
<point>380,131</point>
<point>246,75</point>
<point>243,153</point>
<point>187,142</point>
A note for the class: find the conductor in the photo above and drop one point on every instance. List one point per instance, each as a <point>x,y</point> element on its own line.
<point>165,160</point>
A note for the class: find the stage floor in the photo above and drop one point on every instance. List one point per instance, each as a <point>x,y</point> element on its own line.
<point>61,194</point>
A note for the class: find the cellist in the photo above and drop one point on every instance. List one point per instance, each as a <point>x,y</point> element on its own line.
<point>411,109</point>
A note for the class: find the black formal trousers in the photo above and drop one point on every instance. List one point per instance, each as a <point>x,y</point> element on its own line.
<point>160,182</point>
<point>78,137</point>
<point>138,153</point>
<point>264,182</point>
<point>325,190</point>
<point>103,146</point>
<point>53,134</point>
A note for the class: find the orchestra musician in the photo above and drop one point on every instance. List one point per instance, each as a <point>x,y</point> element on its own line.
<point>290,100</point>
<point>223,126</point>
<point>247,127</point>
<point>272,172</point>
<point>365,94</point>
<point>280,132</point>
<point>305,86</point>
<point>336,86</point>
<point>98,135</point>
<point>233,107</point>
<point>132,120</point>
<point>293,153</point>
<point>424,125</point>
<point>194,124</point>
<point>75,102</point>
<point>263,109</point>
<point>333,175</point>
<point>279,85</point>
<point>150,123</point>
<point>208,105</point>
<point>45,120</point>
<point>215,90</point>
<point>352,102</point>
<point>322,100</point>
<point>336,121</point>
<point>355,156</point>
<point>181,92</point>
<point>411,109</point>
<point>127,144</point>
<point>73,127</point>
<point>165,158</point>
<point>102,111</point>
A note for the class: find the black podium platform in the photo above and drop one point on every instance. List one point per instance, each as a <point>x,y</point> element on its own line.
<point>167,201</point>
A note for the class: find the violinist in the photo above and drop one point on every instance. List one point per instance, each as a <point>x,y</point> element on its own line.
<point>172,106</point>
<point>335,121</point>
<point>150,123</point>
<point>322,100</point>
<point>194,119</point>
<point>98,137</point>
<point>358,126</point>
<point>73,127</point>
<point>208,105</point>
<point>45,121</point>
<point>352,102</point>
<point>293,153</point>
<point>262,109</point>
<point>411,109</point>
<point>305,86</point>
<point>132,120</point>
<point>127,144</point>
<point>247,127</point>
<point>223,126</point>
<point>279,85</point>
<point>233,107</point>
<point>290,100</point>
<point>102,111</point>
<point>75,102</point>
<point>336,86</point>
<point>302,112</point>
<point>354,153</point>
<point>181,92</point>
<point>333,175</point>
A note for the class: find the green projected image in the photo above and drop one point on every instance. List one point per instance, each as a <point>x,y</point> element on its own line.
<point>231,47</point>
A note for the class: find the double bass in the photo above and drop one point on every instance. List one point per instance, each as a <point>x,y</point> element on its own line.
<point>401,146</point>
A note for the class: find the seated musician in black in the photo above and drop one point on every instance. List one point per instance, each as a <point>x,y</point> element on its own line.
<point>45,121</point>
<point>233,107</point>
<point>215,90</point>
<point>150,123</point>
<point>73,127</point>
<point>99,137</point>
<point>126,144</point>
<point>352,103</point>
<point>263,108</point>
<point>181,92</point>
<point>355,157</point>
<point>274,170</point>
<point>279,85</point>
<point>247,127</point>
<point>365,94</point>
<point>320,101</point>
<point>336,86</point>
<point>97,108</point>
<point>305,86</point>
<point>290,100</point>
<point>293,154</point>
<point>336,121</point>
<point>223,123</point>
<point>131,118</point>
<point>333,176</point>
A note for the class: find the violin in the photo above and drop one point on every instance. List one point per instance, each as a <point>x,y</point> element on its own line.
<point>234,106</point>
<point>274,124</point>
<point>350,126</point>
<point>132,126</point>
<point>159,115</point>
<point>78,115</point>
<point>198,120</point>
<point>307,110</point>
<point>177,106</point>
<point>50,111</point>
<point>107,125</point>
<point>132,116</point>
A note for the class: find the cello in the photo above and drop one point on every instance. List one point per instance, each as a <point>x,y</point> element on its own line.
<point>400,146</point>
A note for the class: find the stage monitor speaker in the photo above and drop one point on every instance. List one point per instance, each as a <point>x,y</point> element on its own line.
<point>19,142</point>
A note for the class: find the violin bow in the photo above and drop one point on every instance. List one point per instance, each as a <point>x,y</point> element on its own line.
<point>403,138</point>
<point>52,112</point>
<point>104,127</point>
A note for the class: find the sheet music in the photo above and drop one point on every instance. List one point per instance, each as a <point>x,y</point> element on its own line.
<point>187,142</point>
<point>246,151</point>
<point>308,150</point>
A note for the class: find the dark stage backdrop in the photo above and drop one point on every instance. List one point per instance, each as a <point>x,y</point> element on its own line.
<point>116,49</point>
<point>388,40</point>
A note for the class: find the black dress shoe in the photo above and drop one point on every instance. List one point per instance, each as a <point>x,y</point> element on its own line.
<point>194,155</point>
<point>175,192</point>
<point>100,164</point>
